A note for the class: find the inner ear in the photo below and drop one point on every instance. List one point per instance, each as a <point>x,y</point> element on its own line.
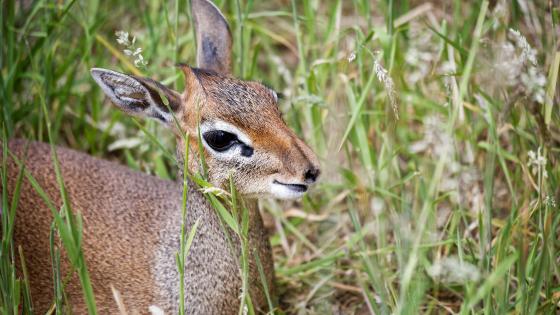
<point>138,96</point>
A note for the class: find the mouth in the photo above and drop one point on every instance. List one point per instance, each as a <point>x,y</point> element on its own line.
<point>298,188</point>
<point>287,191</point>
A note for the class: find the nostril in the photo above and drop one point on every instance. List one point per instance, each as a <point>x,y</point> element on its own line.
<point>311,174</point>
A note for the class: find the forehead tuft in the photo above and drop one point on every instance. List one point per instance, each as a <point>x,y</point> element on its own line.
<point>244,102</point>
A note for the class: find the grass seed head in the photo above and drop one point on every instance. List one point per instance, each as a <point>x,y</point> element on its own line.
<point>123,38</point>
<point>385,79</point>
<point>451,270</point>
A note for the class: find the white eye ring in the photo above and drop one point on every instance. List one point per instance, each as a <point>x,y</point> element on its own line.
<point>236,151</point>
<point>222,125</point>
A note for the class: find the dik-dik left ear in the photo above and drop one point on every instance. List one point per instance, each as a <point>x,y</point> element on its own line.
<point>138,96</point>
<point>213,37</point>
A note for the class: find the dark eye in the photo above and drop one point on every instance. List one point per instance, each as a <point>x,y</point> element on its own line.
<point>220,140</point>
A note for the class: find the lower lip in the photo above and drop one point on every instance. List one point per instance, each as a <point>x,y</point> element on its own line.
<point>294,187</point>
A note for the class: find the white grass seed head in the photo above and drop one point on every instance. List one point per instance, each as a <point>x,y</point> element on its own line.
<point>451,270</point>
<point>130,49</point>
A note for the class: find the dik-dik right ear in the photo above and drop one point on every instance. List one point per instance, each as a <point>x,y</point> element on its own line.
<point>138,96</point>
<point>213,37</point>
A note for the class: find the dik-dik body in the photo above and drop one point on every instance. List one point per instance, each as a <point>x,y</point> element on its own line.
<point>132,221</point>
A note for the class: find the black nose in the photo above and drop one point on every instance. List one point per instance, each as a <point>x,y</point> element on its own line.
<point>311,175</point>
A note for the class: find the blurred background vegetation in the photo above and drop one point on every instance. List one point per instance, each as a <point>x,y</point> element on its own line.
<point>437,125</point>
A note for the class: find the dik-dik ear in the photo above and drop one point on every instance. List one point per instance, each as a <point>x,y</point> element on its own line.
<point>213,37</point>
<point>138,96</point>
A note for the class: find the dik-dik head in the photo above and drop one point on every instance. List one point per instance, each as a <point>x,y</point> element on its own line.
<point>241,128</point>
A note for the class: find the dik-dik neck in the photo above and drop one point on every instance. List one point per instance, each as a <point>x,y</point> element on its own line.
<point>212,268</point>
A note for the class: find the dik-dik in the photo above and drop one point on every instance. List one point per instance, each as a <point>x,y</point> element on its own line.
<point>132,221</point>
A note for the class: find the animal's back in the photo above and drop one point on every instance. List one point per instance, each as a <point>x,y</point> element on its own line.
<point>117,204</point>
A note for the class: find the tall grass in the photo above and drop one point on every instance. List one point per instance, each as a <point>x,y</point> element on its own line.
<point>439,143</point>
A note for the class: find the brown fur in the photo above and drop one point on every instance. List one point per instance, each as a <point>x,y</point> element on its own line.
<point>132,221</point>
<point>116,204</point>
<point>127,215</point>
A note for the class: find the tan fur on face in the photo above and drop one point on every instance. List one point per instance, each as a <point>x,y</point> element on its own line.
<point>250,107</point>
